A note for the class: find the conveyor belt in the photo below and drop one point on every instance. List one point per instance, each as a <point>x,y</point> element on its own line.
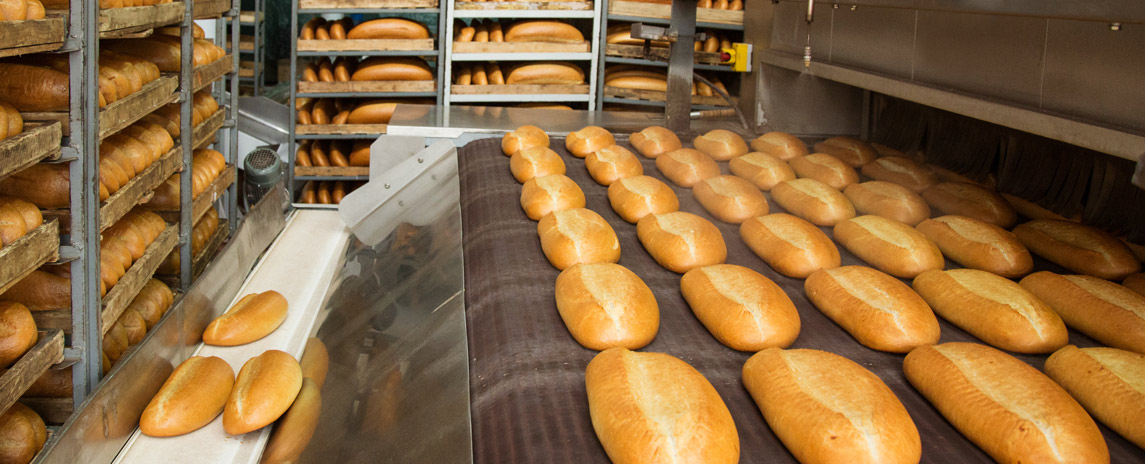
<point>527,392</point>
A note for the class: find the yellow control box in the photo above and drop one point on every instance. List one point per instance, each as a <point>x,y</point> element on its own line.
<point>739,56</point>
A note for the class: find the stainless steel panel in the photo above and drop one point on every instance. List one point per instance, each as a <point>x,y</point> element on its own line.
<point>264,119</point>
<point>790,30</point>
<point>801,103</point>
<point>1125,11</point>
<point>1097,73</point>
<point>887,44</point>
<point>995,56</point>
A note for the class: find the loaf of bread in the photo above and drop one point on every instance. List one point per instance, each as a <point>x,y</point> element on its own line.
<point>133,326</point>
<point>33,88</point>
<point>653,407</point>
<point>996,310</point>
<point>382,68</point>
<point>543,31</point>
<point>388,28</point>
<point>978,245</point>
<point>1106,381</point>
<point>791,246</point>
<point>201,234</point>
<point>190,398</point>
<point>24,434</point>
<point>652,81</point>
<point>19,332</point>
<point>826,169</point>
<point>1005,406</point>
<point>371,112</point>
<point>264,389</point>
<point>621,34</point>
<point>254,316</point>
<point>721,144</point>
<point>152,302</point>
<point>294,431</point>
<point>680,241</point>
<point>41,291</point>
<point>888,200</point>
<point>762,169</point>
<point>206,165</point>
<point>849,150</point>
<point>605,305</point>
<point>164,51</point>
<point>687,167</point>
<point>889,245</point>
<point>315,362</point>
<point>654,141</point>
<point>55,383</point>
<point>1111,314</point>
<point>964,199</point>
<point>828,409</point>
<point>545,194</point>
<point>814,201</point>
<point>546,73</point>
<point>880,311</point>
<point>1029,209</point>
<point>902,171</point>
<point>730,198</point>
<point>1135,282</point>
<point>588,140</point>
<point>535,162</point>
<point>611,163</point>
<point>1079,248</point>
<point>635,197</point>
<point>17,218</point>
<point>740,307</point>
<point>781,145</point>
<point>523,137</point>
<point>11,123</point>
<point>577,236</point>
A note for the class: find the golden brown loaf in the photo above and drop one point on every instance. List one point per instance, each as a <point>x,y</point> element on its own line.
<point>888,200</point>
<point>611,163</point>
<point>388,28</point>
<point>1135,282</point>
<point>814,201</point>
<point>294,431</point>
<point>730,198</point>
<point>889,245</point>
<point>547,73</point>
<point>23,434</point>
<point>762,169</point>
<point>190,398</point>
<point>535,162</point>
<point>1005,406</point>
<point>621,34</point>
<point>315,361</point>
<point>1030,209</point>
<point>721,144</point>
<point>588,140</point>
<point>55,383</point>
<point>791,246</point>
<point>12,123</point>
<point>371,112</point>
<point>964,199</point>
<point>740,307</point>
<point>17,218</point>
<point>523,137</point>
<point>849,150</point>
<point>543,31</point>
<point>133,326</point>
<point>654,141</point>
<point>19,332</point>
<point>884,150</point>
<point>379,68</point>
<point>828,409</point>
<point>545,194</point>
<point>635,197</point>
<point>826,169</point>
<point>996,310</point>
<point>1108,382</point>
<point>1079,248</point>
<point>687,167</point>
<point>978,245</point>
<point>1111,314</point>
<point>902,171</point>
<point>152,302</point>
<point>653,407</point>
<point>878,310</point>
<point>254,316</point>
<point>206,165</point>
<point>201,234</point>
<point>264,389</point>
<point>681,241</point>
<point>576,236</point>
<point>605,305</point>
<point>33,88</point>
<point>781,145</point>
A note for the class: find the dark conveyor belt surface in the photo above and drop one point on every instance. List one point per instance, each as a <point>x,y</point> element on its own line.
<point>527,392</point>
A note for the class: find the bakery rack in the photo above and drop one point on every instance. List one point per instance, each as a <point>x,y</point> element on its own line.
<point>252,70</point>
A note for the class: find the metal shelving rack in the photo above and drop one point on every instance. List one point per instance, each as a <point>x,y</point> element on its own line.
<point>253,20</point>
<point>225,90</point>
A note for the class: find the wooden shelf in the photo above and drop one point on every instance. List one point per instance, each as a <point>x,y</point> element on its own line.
<point>518,89</point>
<point>28,253</point>
<point>128,287</point>
<point>364,4</point>
<point>365,45</point>
<point>660,53</point>
<point>32,36</point>
<point>211,72</point>
<point>332,171</point>
<point>48,350</point>
<point>367,87</point>
<point>520,47</point>
<point>664,12</point>
<point>340,129</point>
<point>532,5</point>
<point>204,133</point>
<point>657,96</point>
<point>203,9</point>
<point>117,22</point>
<point>38,142</point>
<point>123,112</point>
<point>203,202</point>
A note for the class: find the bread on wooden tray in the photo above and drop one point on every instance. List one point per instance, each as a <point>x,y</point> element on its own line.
<point>19,333</point>
<point>1110,313</point>
<point>889,245</point>
<point>880,311</point>
<point>730,198</point>
<point>781,145</point>
<point>680,241</point>
<point>790,245</point>
<point>740,307</point>
<point>635,197</point>
<point>190,398</point>
<point>888,200</point>
<point>1107,382</point>
<point>978,245</point>
<point>24,434</point>
<point>605,305</point>
<point>545,194</point>
<point>577,236</point>
<point>814,201</point>
<point>1079,248</point>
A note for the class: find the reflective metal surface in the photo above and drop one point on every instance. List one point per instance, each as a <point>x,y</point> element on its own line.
<point>1126,11</point>
<point>264,119</point>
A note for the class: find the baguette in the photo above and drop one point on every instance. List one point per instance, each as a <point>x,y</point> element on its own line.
<point>587,140</point>
<point>741,308</point>
<point>762,169</point>
<point>523,137</point>
<point>721,144</point>
<point>33,88</point>
<point>547,73</point>
<point>1107,382</point>
<point>1079,248</point>
<point>577,236</point>
<point>1005,406</point>
<point>253,317</point>
<point>781,145</point>
<point>849,150</point>
<point>791,246</point>
<point>978,245</point>
<point>1110,313</point>
<point>828,409</point>
<point>902,171</point>
<point>544,194</point>
<point>971,200</point>
<point>635,197</point>
<point>826,169</point>
<point>996,310</point>
<point>611,163</point>
<point>264,389</point>
<point>889,245</point>
<point>653,83</point>
<point>294,431</point>
<point>1030,209</point>
<point>653,407</point>
<point>888,200</point>
<point>687,167</point>
<point>388,28</point>
<point>379,68</point>
<point>605,305</point>
<point>730,199</point>
<point>814,201</point>
<point>654,141</point>
<point>880,311</point>
<point>681,241</point>
<point>190,398</point>
<point>535,162</point>
<point>543,31</point>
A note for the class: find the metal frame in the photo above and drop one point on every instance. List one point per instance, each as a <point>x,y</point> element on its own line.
<point>259,52</point>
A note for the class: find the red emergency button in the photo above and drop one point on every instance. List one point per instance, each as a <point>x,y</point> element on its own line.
<point>725,56</point>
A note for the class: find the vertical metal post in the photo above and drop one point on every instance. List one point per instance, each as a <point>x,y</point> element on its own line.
<point>601,65</point>
<point>186,140</point>
<point>595,73</point>
<point>232,110</point>
<point>680,60</point>
<point>291,145</point>
<point>444,36</point>
<point>259,47</point>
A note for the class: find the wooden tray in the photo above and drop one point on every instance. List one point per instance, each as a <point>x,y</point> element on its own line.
<point>364,45</point>
<point>117,299</point>
<point>123,112</point>
<point>32,36</point>
<point>340,129</point>
<point>203,9</point>
<point>367,86</point>
<point>48,350</point>
<point>654,95</point>
<point>204,133</point>
<point>202,203</point>
<point>36,143</point>
<point>331,171</point>
<point>28,253</point>
<point>520,47</point>
<point>246,44</point>
<point>116,22</point>
<point>662,11</point>
<point>209,73</point>
<point>199,262</point>
<point>365,4</point>
<point>532,5</point>
<point>520,89</point>
<point>660,53</point>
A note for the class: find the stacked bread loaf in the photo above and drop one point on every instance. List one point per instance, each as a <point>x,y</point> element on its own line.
<point>550,31</point>
<point>320,28</point>
<point>348,111</point>
<point>326,192</point>
<point>201,233</point>
<point>346,69</point>
<point>24,434</point>
<point>19,332</point>
<point>646,78</point>
<point>17,218</point>
<point>165,51</point>
<point>540,73</point>
<point>339,153</point>
<point>152,302</point>
<point>206,165</point>
<point>203,106</point>
<point>40,82</point>
<point>20,10</point>
<point>11,123</point>
<point>125,242</point>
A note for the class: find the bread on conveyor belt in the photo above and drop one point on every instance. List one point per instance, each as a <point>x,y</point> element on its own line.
<point>826,169</point>
<point>814,201</point>
<point>680,241</point>
<point>547,73</point>
<point>762,169</point>
<point>388,28</point>
<point>828,409</point>
<point>791,246</point>
<point>254,316</point>
<point>635,197</point>
<point>996,310</point>
<point>1111,314</point>
<point>1135,282</point>
<point>1106,381</point>
<point>315,362</point>
<point>545,194</point>
<point>523,137</point>
<point>849,150</point>
<point>294,431</point>
<point>654,141</point>
<point>889,245</point>
<point>611,163</point>
<point>588,140</point>
<point>19,332</point>
<point>190,398</point>
<point>24,434</point>
<point>654,407</point>
<point>543,31</point>
<point>1030,209</point>
<point>888,200</point>
<point>902,171</point>
<point>1006,407</point>
<point>720,144</point>
<point>965,199</point>
<point>535,162</point>
<point>264,389</point>
<point>1079,248</point>
<point>880,311</point>
<point>730,198</point>
<point>686,167</point>
<point>382,68</point>
<point>780,145</point>
<point>978,245</point>
<point>577,236</point>
<point>605,305</point>
<point>740,307</point>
